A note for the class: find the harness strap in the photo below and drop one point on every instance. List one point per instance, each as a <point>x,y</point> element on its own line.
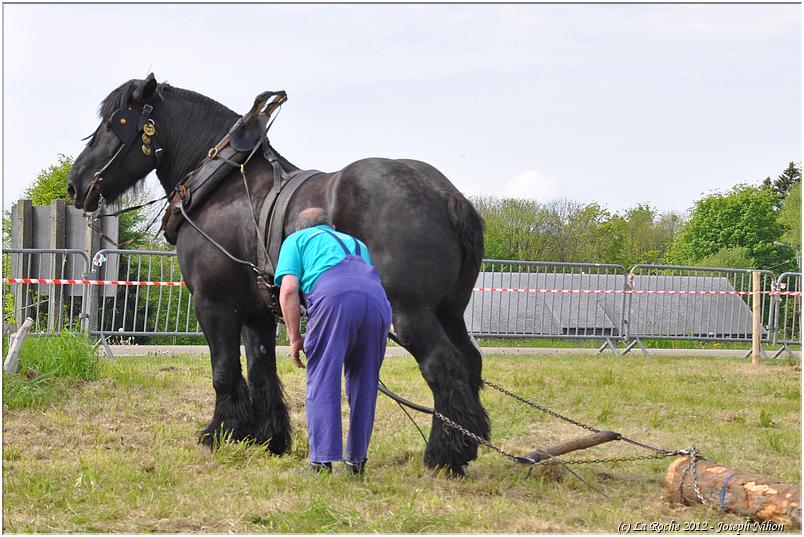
<point>273,217</point>
<point>280,175</point>
<point>272,221</point>
<point>213,170</point>
<point>345,249</point>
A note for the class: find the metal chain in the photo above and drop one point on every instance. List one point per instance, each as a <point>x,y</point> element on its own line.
<point>612,459</point>
<point>693,464</point>
<point>539,407</point>
<point>658,452</point>
<point>552,460</point>
<point>664,452</point>
<point>480,440</point>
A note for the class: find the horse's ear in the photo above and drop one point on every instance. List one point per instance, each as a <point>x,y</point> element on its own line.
<point>144,90</point>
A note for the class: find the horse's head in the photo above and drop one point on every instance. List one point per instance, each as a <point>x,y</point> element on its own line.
<point>124,148</point>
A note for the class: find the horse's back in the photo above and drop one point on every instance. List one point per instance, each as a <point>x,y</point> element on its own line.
<point>424,236</point>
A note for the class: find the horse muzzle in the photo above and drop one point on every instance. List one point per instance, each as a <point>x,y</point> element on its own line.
<point>86,199</point>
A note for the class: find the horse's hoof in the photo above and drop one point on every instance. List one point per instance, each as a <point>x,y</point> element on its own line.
<point>453,471</point>
<point>212,438</point>
<point>207,440</point>
<point>279,446</point>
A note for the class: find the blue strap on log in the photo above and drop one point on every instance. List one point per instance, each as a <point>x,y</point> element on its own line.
<point>723,491</point>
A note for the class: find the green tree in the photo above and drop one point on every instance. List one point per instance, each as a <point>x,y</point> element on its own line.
<point>514,228</point>
<point>744,217</point>
<point>737,257</point>
<point>570,231</point>
<point>51,183</point>
<point>790,218</point>
<point>639,235</point>
<point>790,177</point>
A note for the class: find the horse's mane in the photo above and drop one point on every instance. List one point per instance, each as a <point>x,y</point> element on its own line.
<point>121,96</point>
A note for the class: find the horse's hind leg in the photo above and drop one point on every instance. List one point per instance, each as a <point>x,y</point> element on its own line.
<point>455,327</point>
<point>269,413</point>
<point>455,394</point>
<point>232,415</point>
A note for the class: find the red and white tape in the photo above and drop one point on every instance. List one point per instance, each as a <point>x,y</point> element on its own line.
<point>140,283</point>
<point>628,292</point>
<point>133,283</point>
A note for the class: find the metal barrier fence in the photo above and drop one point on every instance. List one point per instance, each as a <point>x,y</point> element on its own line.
<point>787,316</point>
<point>696,303</point>
<point>514,299</point>
<point>53,307</point>
<point>138,293</point>
<point>142,310</point>
<point>121,293</point>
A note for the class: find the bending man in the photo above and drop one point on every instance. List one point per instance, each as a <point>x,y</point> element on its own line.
<point>348,316</point>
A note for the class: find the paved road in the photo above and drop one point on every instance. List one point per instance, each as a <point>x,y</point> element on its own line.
<point>170,350</point>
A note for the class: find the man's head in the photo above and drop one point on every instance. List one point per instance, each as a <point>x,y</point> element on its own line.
<point>312,216</point>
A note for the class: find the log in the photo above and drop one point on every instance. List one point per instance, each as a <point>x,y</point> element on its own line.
<point>735,492</point>
<point>15,340</point>
<point>573,445</point>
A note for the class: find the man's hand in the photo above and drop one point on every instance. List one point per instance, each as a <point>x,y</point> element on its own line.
<point>295,346</point>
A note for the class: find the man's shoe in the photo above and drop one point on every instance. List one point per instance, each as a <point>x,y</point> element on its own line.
<point>318,468</point>
<point>355,468</point>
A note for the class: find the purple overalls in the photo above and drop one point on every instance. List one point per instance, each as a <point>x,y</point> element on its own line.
<point>348,316</point>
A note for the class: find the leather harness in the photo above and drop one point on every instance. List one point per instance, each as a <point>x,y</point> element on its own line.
<point>235,150</point>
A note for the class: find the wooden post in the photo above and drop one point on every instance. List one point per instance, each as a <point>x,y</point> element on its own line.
<point>57,241</point>
<point>756,332</point>
<point>735,492</point>
<point>94,293</point>
<point>12,363</point>
<point>21,237</point>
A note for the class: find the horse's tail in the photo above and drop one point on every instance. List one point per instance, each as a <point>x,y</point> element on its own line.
<point>469,225</point>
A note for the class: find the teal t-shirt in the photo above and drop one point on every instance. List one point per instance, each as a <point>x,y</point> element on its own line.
<point>309,252</point>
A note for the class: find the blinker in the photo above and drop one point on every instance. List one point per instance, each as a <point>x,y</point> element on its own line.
<point>124,124</point>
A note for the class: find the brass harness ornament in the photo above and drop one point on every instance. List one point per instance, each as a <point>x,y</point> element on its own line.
<point>148,130</point>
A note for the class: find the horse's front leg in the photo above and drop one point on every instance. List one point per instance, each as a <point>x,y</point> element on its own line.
<point>270,420</point>
<point>232,417</point>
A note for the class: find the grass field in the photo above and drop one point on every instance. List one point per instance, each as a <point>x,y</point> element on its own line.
<point>119,454</point>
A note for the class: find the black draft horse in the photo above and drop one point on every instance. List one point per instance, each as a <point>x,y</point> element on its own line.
<point>425,239</point>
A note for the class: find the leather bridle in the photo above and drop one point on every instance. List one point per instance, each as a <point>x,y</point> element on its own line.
<point>129,124</point>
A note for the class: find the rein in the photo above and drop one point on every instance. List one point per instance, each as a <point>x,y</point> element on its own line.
<point>107,238</point>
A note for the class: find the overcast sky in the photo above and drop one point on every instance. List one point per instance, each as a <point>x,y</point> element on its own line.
<point>618,104</point>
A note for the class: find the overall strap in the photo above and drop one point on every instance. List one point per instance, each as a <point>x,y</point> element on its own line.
<point>345,249</point>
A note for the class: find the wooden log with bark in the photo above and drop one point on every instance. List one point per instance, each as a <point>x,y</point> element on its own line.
<point>733,491</point>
